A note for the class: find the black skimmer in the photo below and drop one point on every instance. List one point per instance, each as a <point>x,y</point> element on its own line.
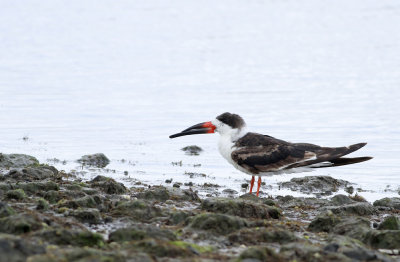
<point>262,155</point>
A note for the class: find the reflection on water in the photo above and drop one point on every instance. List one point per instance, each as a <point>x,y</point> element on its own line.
<point>120,78</point>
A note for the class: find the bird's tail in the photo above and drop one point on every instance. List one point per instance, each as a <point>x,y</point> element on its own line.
<point>342,161</point>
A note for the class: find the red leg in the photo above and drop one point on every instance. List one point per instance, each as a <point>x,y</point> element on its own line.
<point>259,184</point>
<point>251,184</point>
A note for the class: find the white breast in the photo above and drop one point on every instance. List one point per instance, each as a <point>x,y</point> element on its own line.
<point>225,147</point>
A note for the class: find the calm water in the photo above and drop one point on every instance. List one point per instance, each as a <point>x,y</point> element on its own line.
<point>118,77</point>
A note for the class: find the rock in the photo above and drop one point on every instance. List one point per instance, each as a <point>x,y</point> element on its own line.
<point>64,236</point>
<point>218,223</point>
<point>239,207</point>
<point>16,160</point>
<point>17,194</point>
<point>37,187</point>
<point>192,150</point>
<point>229,191</point>
<point>353,249</point>
<point>307,252</point>
<point>137,233</point>
<point>301,202</point>
<point>160,193</point>
<point>355,227</point>
<point>42,204</point>
<point>30,174</point>
<point>178,218</point>
<point>253,236</point>
<point>86,201</point>
<point>138,210</point>
<point>386,239</point>
<point>108,185</point>
<point>359,208</point>
<point>20,223</point>
<point>340,199</point>
<point>259,254</point>
<point>313,184</point>
<point>98,160</point>
<point>161,248</point>
<point>390,223</point>
<point>324,222</point>
<point>16,249</point>
<point>87,215</point>
<point>85,254</point>
<point>393,202</point>
<point>5,210</point>
<point>177,185</point>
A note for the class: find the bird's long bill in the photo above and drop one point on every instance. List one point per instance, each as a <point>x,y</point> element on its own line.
<point>202,128</point>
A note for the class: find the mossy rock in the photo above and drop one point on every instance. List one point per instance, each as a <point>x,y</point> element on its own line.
<point>20,224</point>
<point>16,160</point>
<point>393,202</point>
<point>17,194</point>
<point>239,207</point>
<point>86,201</point>
<point>16,249</point>
<point>179,217</point>
<point>71,237</point>
<point>38,187</point>
<point>308,252</point>
<point>386,239</point>
<point>260,254</point>
<point>254,236</point>
<point>358,208</point>
<point>98,160</point>
<point>133,233</point>
<point>160,193</point>
<point>5,210</point>
<point>31,174</point>
<point>42,204</point>
<point>87,215</point>
<point>197,249</point>
<point>218,223</point>
<point>108,185</point>
<point>162,248</point>
<point>324,222</point>
<point>138,210</point>
<point>390,223</point>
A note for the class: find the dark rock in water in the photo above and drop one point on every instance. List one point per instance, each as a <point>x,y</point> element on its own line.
<point>17,160</point>
<point>387,239</point>
<point>5,210</point>
<point>177,185</point>
<point>140,233</point>
<point>160,193</point>
<point>229,191</point>
<point>70,237</point>
<point>17,194</point>
<point>253,236</point>
<point>340,199</point>
<point>20,224</point>
<point>108,185</point>
<point>218,223</point>
<point>239,207</point>
<point>254,254</point>
<point>244,185</point>
<point>138,210</point>
<point>97,160</point>
<point>86,201</point>
<point>358,208</point>
<point>315,184</point>
<point>393,202</point>
<point>87,215</point>
<point>30,174</point>
<point>192,150</point>
<point>168,181</point>
<point>390,223</point>
<point>324,222</point>
<point>16,249</point>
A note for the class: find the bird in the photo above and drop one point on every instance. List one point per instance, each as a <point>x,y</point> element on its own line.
<point>263,155</point>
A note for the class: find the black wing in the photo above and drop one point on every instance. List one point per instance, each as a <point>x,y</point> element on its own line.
<point>259,153</point>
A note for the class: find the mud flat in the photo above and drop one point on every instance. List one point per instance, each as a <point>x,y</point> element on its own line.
<point>48,215</point>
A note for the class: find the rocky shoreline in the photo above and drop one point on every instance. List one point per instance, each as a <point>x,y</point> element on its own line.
<point>48,215</point>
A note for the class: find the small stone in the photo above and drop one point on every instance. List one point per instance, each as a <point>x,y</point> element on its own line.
<point>177,185</point>
<point>245,185</point>
<point>98,160</point>
<point>168,181</point>
<point>192,150</point>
